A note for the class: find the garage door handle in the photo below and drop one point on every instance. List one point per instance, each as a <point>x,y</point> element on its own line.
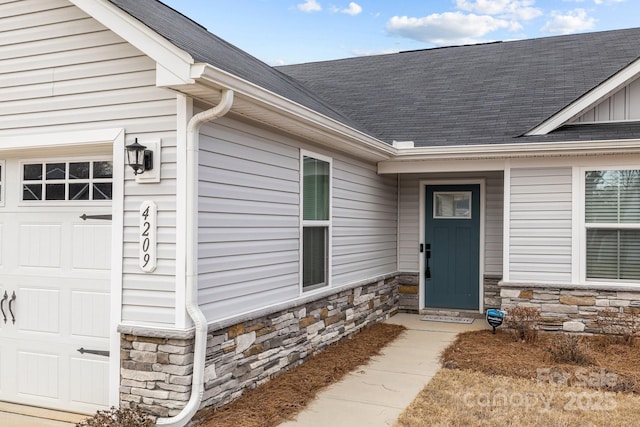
<point>98,352</point>
<point>11,301</point>
<point>4,298</point>
<point>85,217</point>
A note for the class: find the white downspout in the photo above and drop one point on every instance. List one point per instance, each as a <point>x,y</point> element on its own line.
<point>193,309</point>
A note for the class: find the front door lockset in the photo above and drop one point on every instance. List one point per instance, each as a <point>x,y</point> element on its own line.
<point>427,256</point>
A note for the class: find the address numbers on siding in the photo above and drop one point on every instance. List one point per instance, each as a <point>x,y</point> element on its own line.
<point>148,236</point>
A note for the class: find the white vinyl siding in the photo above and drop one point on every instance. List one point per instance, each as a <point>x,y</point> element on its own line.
<point>62,71</point>
<point>365,221</point>
<point>494,230</point>
<point>249,219</point>
<point>540,225</point>
<point>409,230</point>
<point>249,222</point>
<point>622,105</point>
<point>409,223</point>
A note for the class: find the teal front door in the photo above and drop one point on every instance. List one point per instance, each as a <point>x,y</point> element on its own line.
<point>452,246</point>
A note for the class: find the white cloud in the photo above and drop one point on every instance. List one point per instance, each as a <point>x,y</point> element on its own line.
<point>504,9</point>
<point>608,1</point>
<point>353,9</point>
<point>446,28</point>
<point>309,6</point>
<point>572,21</point>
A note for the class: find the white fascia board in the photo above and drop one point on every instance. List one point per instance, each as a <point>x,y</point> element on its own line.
<point>588,100</point>
<point>174,64</point>
<point>490,156</point>
<point>216,77</point>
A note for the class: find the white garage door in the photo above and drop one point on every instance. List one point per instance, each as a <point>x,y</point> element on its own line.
<point>54,282</point>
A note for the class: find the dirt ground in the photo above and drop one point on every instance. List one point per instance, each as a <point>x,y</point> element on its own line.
<point>281,398</point>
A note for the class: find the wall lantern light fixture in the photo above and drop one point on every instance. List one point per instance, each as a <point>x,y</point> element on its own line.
<point>139,158</point>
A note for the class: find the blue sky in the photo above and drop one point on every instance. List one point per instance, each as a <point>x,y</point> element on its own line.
<point>296,31</point>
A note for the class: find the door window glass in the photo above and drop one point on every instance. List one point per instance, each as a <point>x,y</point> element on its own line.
<point>452,205</point>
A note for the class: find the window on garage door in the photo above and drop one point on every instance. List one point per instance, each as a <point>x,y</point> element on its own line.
<point>67,181</point>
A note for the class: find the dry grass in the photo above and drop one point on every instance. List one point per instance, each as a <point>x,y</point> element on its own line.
<point>462,398</point>
<point>491,380</point>
<point>281,398</point>
<point>499,355</point>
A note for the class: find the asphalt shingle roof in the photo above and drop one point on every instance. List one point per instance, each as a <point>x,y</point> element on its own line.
<point>478,94</point>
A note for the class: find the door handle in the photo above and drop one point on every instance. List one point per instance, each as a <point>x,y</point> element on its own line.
<point>4,298</point>
<point>427,256</point>
<point>11,301</point>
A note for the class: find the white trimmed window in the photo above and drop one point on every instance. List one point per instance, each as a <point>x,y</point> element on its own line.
<point>612,222</point>
<point>315,233</point>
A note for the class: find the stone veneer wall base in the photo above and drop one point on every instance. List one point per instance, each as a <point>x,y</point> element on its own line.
<point>570,308</point>
<point>156,372</point>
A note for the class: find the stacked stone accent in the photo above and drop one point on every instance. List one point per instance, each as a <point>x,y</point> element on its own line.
<point>408,287</point>
<point>156,372</point>
<point>492,297</point>
<point>569,309</point>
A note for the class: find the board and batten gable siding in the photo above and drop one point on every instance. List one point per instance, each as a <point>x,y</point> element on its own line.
<point>62,71</point>
<point>540,240</point>
<point>409,229</point>
<point>622,105</point>
<point>249,219</point>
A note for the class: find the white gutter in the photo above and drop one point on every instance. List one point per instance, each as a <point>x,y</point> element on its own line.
<point>191,303</point>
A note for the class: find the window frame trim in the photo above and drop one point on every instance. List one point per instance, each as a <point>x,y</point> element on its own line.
<point>64,159</point>
<point>583,226</point>
<point>328,224</point>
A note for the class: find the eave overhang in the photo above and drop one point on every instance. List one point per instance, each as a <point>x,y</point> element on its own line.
<point>273,110</point>
<point>418,160</point>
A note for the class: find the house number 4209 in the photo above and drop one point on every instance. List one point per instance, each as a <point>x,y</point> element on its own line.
<point>148,236</point>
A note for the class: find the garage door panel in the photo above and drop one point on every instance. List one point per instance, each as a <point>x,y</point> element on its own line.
<point>90,384</point>
<point>90,314</point>
<point>59,267</point>
<point>38,374</point>
<point>91,246</point>
<point>38,310</point>
<point>40,245</point>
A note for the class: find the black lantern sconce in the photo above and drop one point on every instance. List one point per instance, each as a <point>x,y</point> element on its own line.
<point>139,158</point>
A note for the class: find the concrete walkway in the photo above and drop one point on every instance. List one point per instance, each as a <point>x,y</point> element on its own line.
<point>376,394</point>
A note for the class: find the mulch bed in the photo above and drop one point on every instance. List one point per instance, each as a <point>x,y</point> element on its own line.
<point>284,396</point>
<point>500,354</point>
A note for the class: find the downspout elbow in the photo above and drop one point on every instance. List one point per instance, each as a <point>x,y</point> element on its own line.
<point>191,262</point>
